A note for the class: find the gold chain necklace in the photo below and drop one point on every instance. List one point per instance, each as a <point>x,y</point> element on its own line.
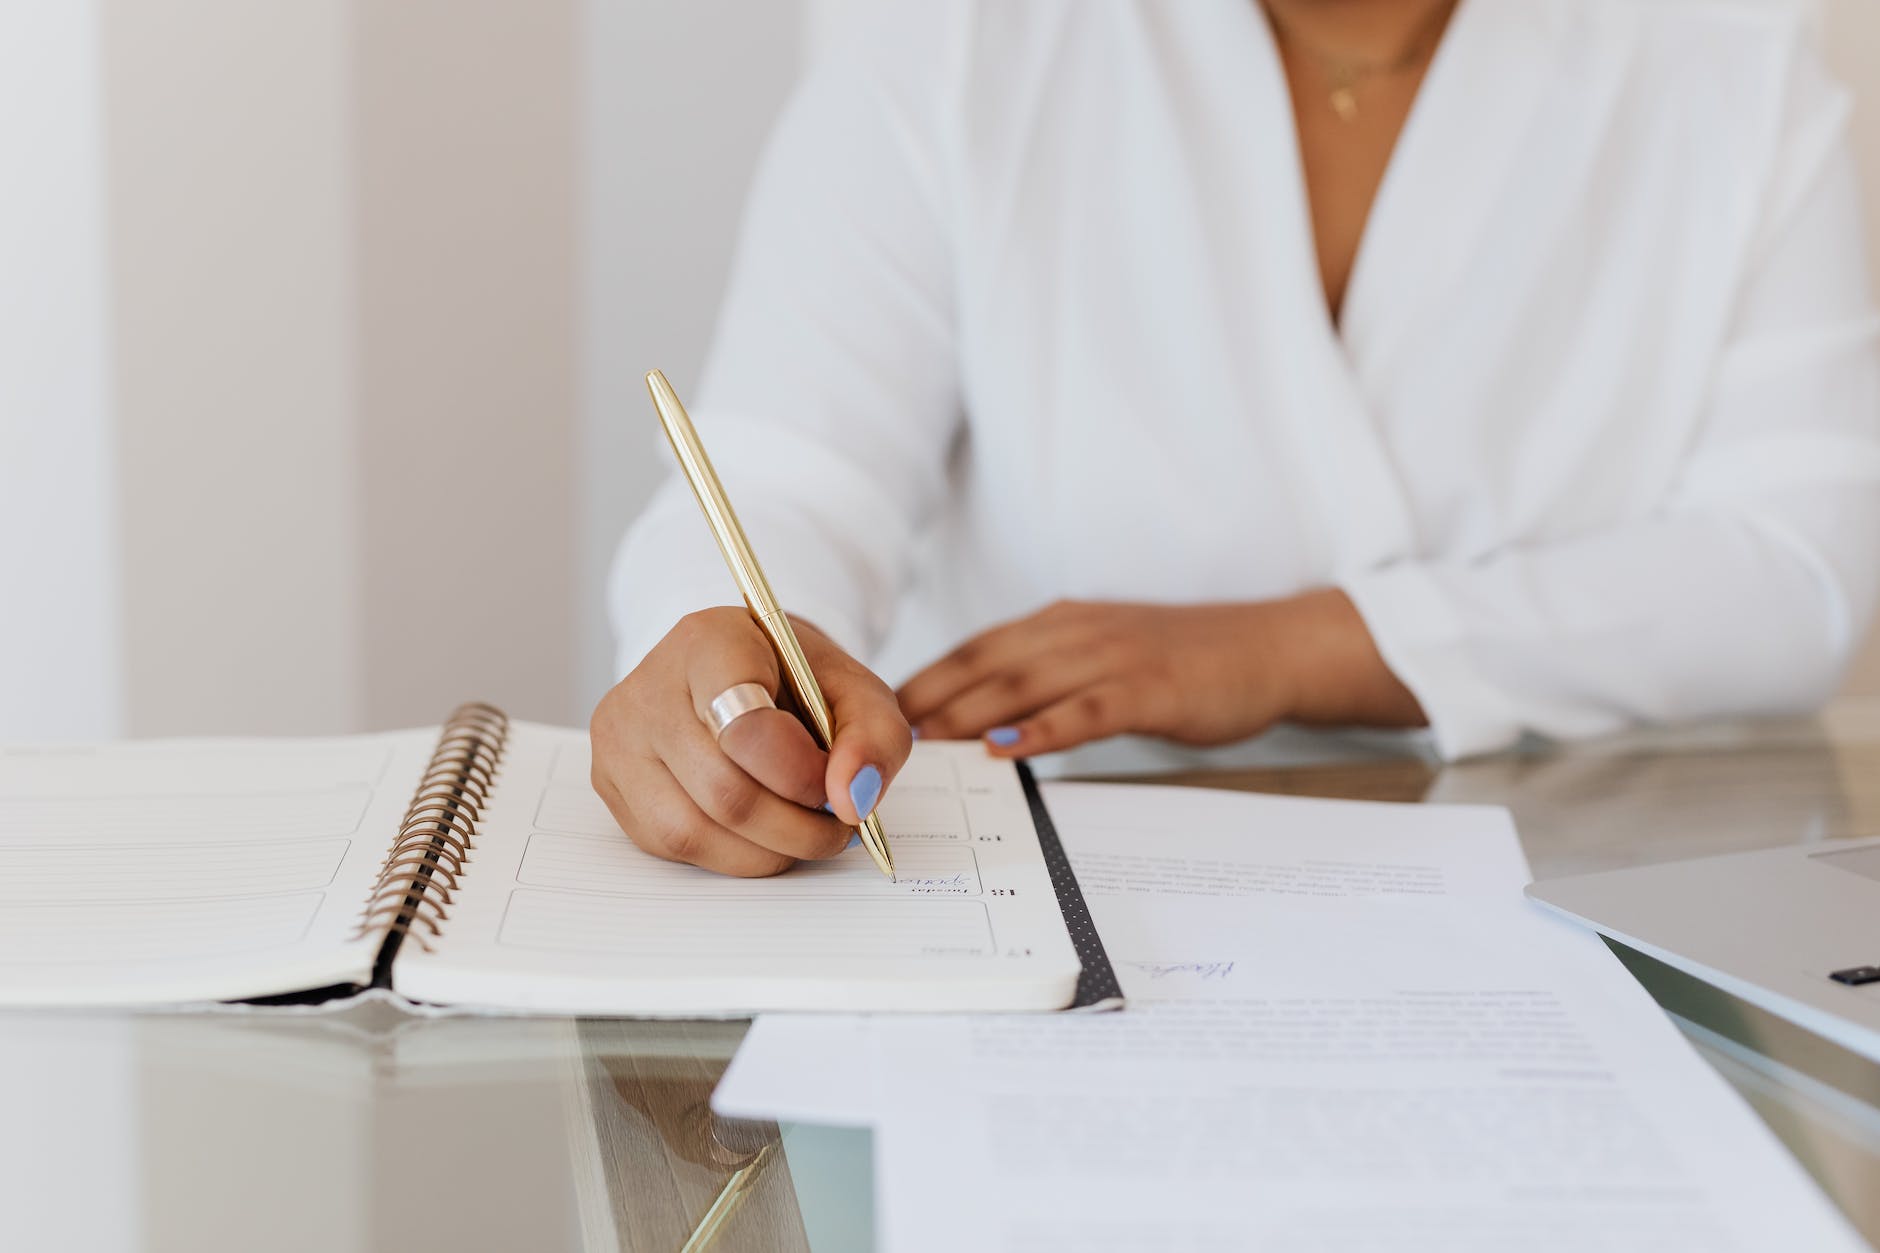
<point>1347,73</point>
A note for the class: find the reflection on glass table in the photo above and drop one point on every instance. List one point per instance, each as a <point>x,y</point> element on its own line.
<point>369,1129</point>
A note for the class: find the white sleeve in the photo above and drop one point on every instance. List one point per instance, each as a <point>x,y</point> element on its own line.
<point>830,397</point>
<point>1748,591</point>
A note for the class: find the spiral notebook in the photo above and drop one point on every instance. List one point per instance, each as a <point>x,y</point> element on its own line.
<point>473,867</point>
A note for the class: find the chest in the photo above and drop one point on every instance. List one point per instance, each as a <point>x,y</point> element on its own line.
<point>1526,333</point>
<point>1348,127</point>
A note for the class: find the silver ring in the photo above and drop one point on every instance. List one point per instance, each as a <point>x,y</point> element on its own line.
<point>733,703</point>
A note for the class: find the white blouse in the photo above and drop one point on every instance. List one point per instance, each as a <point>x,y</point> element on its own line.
<point>1027,307</point>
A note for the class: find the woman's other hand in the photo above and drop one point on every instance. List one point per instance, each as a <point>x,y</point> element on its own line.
<point>748,803</point>
<point>1196,674</point>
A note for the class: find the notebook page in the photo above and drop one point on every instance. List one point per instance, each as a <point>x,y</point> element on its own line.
<point>560,912</point>
<point>185,870</point>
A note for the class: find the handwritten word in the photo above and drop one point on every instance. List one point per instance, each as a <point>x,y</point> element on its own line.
<point>928,885</point>
<point>1201,970</point>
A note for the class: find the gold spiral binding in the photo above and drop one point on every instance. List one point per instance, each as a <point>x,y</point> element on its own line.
<point>426,860</point>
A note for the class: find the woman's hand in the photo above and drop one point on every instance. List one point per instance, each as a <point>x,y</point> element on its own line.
<point>748,803</point>
<point>1197,674</point>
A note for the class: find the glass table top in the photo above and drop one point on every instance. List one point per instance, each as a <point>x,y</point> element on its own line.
<point>371,1129</point>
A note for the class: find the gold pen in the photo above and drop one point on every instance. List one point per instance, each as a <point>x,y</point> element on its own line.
<point>758,597</point>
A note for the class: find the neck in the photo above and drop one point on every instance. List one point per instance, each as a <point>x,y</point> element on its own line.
<point>1367,30</point>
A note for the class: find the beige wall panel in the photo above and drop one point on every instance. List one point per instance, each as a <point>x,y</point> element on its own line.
<point>1854,46</point>
<point>1854,49</point>
<point>465,200</point>
<point>227,156</point>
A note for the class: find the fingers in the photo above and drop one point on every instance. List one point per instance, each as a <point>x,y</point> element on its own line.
<point>1094,713</point>
<point>698,806</point>
<point>1013,671</point>
<point>872,739</point>
<point>749,802</point>
<point>732,799</point>
<point>748,807</point>
<point>721,650</point>
<point>663,821</point>
<point>1003,649</point>
<point>764,756</point>
<point>1007,696</point>
<point>779,753</point>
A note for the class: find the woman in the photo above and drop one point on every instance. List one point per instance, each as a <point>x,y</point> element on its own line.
<point>1499,367</point>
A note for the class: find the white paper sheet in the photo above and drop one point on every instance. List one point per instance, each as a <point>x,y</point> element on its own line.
<point>1313,1058</point>
<point>1196,842</point>
<point>806,1068</point>
<point>1337,1075</point>
<point>1140,851</point>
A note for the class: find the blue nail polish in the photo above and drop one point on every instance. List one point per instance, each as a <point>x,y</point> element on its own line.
<point>865,790</point>
<point>1004,737</point>
<point>855,838</point>
<point>828,808</point>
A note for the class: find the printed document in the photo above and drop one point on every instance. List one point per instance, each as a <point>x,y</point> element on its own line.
<point>1139,851</point>
<point>1336,1075</point>
<point>1344,1031</point>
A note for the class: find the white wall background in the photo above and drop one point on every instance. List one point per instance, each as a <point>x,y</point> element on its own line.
<point>287,363</point>
<point>258,263</point>
<point>679,99</point>
<point>60,664</point>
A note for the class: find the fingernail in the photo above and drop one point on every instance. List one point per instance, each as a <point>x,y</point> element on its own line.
<point>1004,737</point>
<point>855,837</point>
<point>828,808</point>
<point>865,790</point>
